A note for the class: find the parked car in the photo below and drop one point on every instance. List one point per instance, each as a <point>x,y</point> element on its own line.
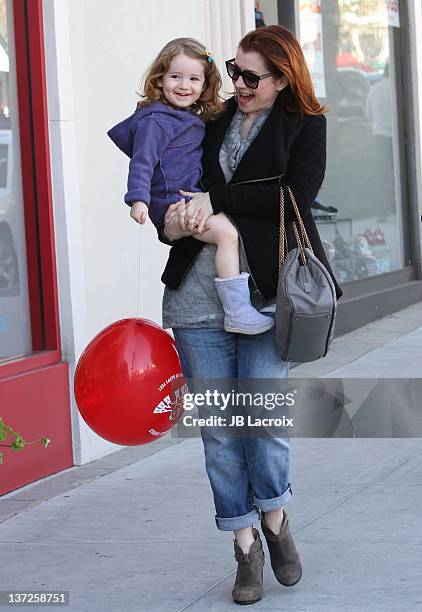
<point>353,87</point>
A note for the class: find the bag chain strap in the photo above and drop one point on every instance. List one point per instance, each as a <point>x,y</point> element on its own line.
<point>305,237</point>
<point>282,231</point>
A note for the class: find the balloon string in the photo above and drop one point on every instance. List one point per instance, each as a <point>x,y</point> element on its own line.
<point>138,308</point>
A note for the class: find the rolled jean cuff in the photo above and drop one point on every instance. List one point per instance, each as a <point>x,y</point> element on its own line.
<point>237,522</point>
<point>276,502</point>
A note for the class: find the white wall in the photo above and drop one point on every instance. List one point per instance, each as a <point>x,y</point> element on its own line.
<point>108,267</point>
<point>112,43</point>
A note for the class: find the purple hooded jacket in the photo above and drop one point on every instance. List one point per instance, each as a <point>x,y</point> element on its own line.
<point>165,147</point>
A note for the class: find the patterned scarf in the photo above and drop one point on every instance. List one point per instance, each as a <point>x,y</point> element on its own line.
<point>233,146</point>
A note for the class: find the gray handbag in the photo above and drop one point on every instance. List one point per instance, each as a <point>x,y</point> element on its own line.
<point>306,298</point>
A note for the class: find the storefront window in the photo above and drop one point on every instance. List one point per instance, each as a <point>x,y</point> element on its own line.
<point>15,329</point>
<point>351,50</point>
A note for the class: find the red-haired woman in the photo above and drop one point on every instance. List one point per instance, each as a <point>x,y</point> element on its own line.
<point>272,127</point>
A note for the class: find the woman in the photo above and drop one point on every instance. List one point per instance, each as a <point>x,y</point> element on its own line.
<point>272,132</point>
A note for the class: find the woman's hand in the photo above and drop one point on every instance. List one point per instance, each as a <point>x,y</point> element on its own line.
<point>174,221</point>
<point>200,203</point>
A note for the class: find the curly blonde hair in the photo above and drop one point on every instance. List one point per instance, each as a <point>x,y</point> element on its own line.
<point>209,104</point>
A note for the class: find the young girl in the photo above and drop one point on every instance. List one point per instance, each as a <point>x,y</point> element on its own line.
<point>163,138</point>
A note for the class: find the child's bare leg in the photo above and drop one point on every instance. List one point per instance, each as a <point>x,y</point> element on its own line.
<point>232,287</point>
<point>223,234</point>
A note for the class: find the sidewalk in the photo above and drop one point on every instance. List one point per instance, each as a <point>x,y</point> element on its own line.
<point>135,530</point>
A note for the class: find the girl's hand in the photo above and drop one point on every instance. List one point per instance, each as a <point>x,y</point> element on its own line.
<point>200,203</point>
<point>174,221</point>
<point>139,212</point>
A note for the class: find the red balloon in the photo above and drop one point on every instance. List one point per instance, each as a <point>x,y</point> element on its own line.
<point>129,384</point>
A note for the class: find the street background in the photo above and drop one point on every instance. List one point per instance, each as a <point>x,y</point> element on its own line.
<point>135,530</point>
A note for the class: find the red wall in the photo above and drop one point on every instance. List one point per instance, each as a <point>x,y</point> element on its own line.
<point>36,404</point>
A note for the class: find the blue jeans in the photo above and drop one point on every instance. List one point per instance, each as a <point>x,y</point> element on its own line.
<point>246,474</point>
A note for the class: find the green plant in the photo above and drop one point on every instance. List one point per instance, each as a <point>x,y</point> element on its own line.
<point>17,441</point>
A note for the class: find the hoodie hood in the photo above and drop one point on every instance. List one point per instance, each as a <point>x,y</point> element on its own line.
<point>171,119</point>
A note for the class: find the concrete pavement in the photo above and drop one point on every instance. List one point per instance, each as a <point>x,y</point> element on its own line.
<point>135,530</point>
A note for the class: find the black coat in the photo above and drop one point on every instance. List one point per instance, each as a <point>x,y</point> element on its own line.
<point>286,145</point>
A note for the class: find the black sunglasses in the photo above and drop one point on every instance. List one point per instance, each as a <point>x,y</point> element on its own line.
<point>249,78</point>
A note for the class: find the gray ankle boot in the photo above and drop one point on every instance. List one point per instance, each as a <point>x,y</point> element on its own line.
<point>240,316</point>
<point>249,578</point>
<point>285,559</point>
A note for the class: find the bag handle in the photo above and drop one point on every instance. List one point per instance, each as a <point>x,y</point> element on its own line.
<point>301,241</point>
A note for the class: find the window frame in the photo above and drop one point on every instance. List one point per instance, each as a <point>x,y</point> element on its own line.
<point>37,191</point>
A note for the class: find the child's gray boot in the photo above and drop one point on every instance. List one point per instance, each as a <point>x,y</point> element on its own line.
<point>240,316</point>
